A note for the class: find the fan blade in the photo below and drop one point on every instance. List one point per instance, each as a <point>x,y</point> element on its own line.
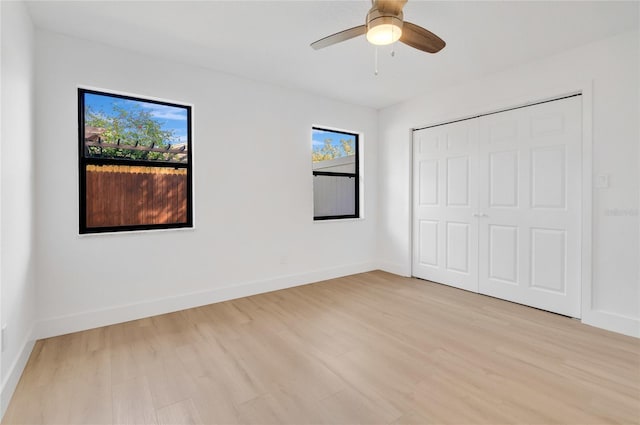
<point>389,6</point>
<point>339,37</point>
<point>420,38</point>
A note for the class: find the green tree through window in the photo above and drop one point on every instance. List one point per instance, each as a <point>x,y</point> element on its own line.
<point>132,126</point>
<point>331,151</point>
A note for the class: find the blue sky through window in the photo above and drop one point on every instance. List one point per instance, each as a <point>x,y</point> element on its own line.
<point>318,138</point>
<point>170,118</point>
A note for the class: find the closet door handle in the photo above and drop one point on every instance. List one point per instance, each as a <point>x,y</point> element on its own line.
<point>479,215</point>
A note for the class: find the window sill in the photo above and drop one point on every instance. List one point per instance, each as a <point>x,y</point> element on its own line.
<point>333,220</point>
<point>136,232</point>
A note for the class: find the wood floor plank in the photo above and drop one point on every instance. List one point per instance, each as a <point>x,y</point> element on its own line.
<point>183,412</point>
<point>92,401</point>
<point>372,348</point>
<point>351,406</point>
<point>169,381</point>
<point>213,401</point>
<point>132,403</point>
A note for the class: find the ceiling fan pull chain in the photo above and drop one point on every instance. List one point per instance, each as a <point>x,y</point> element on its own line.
<point>375,56</point>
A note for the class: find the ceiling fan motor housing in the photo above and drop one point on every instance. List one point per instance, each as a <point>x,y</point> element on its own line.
<point>375,18</point>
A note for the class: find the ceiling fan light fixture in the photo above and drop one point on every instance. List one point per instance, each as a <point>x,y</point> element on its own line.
<point>384,30</point>
<point>385,24</point>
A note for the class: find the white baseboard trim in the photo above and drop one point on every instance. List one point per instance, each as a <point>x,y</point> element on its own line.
<point>395,268</point>
<point>612,322</point>
<point>93,319</point>
<point>15,371</point>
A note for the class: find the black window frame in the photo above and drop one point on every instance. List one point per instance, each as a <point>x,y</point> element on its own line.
<point>83,161</point>
<point>355,176</point>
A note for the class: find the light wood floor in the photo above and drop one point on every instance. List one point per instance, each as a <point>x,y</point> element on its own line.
<point>370,348</point>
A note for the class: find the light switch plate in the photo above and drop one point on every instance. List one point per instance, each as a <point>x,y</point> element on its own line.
<point>602,181</point>
<point>3,338</point>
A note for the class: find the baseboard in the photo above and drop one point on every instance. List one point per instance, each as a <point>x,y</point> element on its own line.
<point>612,322</point>
<point>15,372</point>
<point>395,268</point>
<point>93,319</point>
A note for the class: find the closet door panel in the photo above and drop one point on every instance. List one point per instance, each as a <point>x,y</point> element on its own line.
<point>529,182</point>
<point>445,233</point>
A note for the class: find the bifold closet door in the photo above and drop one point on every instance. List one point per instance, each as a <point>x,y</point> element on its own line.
<point>529,205</point>
<point>497,205</point>
<point>445,241</point>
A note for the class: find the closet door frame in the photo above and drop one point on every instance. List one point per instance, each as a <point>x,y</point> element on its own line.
<point>584,88</point>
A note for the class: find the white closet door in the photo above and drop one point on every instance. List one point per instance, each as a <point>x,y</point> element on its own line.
<point>445,241</point>
<point>529,205</point>
<point>497,205</point>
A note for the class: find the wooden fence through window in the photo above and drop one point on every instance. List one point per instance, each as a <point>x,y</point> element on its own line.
<point>119,195</point>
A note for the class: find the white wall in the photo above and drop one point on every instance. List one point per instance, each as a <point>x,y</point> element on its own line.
<point>253,193</point>
<point>609,69</point>
<point>17,287</point>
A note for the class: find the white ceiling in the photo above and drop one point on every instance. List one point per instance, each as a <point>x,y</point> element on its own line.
<point>269,40</point>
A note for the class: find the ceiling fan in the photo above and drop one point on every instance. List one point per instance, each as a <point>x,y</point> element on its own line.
<point>385,25</point>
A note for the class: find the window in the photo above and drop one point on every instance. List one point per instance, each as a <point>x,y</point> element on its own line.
<point>336,181</point>
<point>135,163</point>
